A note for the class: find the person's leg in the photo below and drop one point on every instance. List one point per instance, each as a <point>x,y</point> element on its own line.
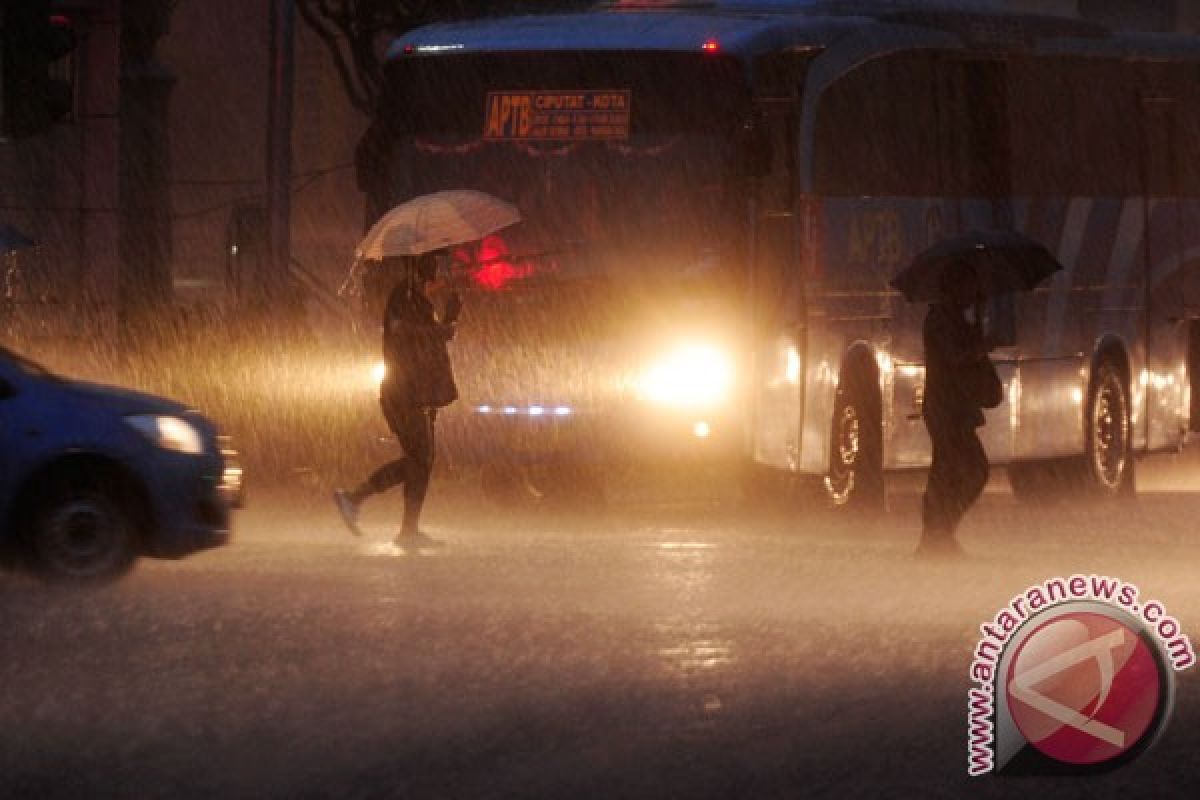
<point>977,472</point>
<point>944,493</point>
<point>935,512</point>
<point>418,445</point>
<point>968,464</point>
<point>393,473</point>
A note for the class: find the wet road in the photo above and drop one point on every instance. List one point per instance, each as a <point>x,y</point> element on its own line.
<point>661,649</point>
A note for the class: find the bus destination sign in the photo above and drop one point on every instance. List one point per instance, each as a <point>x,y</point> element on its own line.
<point>571,116</point>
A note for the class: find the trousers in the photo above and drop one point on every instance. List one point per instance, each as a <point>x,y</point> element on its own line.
<point>956,478</point>
<point>414,429</point>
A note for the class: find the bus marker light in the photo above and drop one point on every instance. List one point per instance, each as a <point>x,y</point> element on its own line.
<point>536,411</point>
<point>701,430</point>
<point>562,411</point>
<point>711,46</point>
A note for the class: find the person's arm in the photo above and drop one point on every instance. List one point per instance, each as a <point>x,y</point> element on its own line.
<point>409,319</point>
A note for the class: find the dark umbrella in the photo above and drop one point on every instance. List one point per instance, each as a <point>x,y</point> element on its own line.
<point>1004,261</point>
<point>12,239</point>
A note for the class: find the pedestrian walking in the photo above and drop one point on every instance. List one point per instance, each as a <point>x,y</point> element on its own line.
<point>960,381</point>
<point>419,381</point>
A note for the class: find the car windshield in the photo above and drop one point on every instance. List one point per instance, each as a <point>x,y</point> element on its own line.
<point>24,364</point>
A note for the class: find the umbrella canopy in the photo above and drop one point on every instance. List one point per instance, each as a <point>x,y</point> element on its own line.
<point>12,239</point>
<point>433,221</point>
<point>1004,261</point>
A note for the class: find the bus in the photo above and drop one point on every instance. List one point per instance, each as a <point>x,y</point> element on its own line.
<point>716,196</point>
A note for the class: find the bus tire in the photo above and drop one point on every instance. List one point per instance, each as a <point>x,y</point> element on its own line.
<point>855,479</point>
<point>1107,467</point>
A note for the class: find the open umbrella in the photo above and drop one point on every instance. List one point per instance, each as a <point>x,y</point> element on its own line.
<point>433,221</point>
<point>12,239</point>
<point>1004,261</point>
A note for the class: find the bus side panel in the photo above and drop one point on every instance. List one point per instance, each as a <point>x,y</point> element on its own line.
<point>1164,384</point>
<point>864,243</point>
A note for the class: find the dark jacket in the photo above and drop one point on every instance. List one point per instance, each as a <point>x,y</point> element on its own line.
<point>414,349</point>
<point>952,345</point>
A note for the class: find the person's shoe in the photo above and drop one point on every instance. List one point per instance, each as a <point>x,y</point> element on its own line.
<point>416,540</point>
<point>348,509</point>
<point>939,548</point>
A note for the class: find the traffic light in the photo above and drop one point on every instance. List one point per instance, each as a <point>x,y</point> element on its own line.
<point>37,85</point>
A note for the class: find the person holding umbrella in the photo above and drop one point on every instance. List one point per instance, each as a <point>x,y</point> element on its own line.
<point>960,380</point>
<point>418,382</point>
<point>408,241</point>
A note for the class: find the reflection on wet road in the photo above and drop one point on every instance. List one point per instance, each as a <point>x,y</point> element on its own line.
<point>691,649</point>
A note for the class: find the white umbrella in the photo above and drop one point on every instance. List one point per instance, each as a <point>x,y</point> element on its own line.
<point>433,221</point>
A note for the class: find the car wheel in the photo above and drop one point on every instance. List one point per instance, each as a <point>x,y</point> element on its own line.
<point>82,534</point>
<point>855,478</point>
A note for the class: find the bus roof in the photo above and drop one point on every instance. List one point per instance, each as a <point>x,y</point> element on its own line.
<point>751,27</point>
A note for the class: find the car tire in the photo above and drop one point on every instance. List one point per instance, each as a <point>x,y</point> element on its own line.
<point>855,480</point>
<point>82,534</point>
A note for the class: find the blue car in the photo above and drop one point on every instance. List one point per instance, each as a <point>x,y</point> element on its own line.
<point>91,476</point>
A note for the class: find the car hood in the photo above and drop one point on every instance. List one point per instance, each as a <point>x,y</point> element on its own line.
<point>121,401</point>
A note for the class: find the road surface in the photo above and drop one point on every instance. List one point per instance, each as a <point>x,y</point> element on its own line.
<point>673,646</point>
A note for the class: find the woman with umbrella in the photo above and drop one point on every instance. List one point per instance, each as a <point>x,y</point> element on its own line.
<point>408,241</point>
<point>960,380</point>
<point>418,382</point>
<point>956,364</point>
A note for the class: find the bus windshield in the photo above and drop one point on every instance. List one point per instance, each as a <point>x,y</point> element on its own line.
<point>648,192</point>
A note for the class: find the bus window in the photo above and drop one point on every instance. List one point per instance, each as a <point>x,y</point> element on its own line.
<point>657,198</point>
<point>877,130</point>
<point>1186,86</point>
<point>973,128</point>
<point>1074,128</point>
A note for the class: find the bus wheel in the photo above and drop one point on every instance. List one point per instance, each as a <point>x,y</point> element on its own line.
<point>1108,458</point>
<point>855,477</point>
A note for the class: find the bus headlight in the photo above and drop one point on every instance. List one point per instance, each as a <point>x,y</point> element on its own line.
<point>690,376</point>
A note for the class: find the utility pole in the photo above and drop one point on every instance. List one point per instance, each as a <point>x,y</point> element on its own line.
<point>279,155</point>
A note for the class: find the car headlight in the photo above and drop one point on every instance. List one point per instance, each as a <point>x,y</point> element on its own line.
<point>690,376</point>
<point>169,433</point>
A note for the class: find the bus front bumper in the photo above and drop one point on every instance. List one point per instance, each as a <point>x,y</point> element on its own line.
<point>624,435</point>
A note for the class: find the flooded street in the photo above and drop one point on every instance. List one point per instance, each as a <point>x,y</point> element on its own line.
<point>683,649</point>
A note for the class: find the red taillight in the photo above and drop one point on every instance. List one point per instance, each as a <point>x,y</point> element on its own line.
<point>491,266</point>
<point>409,49</point>
<point>711,46</point>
